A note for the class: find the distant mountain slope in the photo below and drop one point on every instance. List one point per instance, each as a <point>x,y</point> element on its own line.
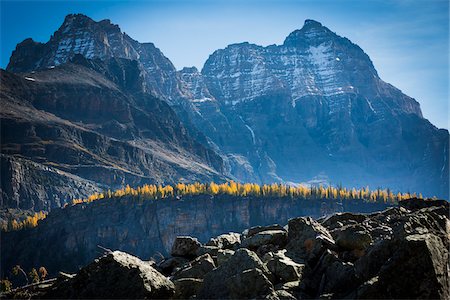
<point>74,129</point>
<point>315,107</point>
<point>310,110</point>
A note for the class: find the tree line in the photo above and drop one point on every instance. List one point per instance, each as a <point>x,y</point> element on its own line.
<point>157,192</point>
<point>154,192</point>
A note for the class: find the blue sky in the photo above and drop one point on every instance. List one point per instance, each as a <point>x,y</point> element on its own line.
<point>407,40</point>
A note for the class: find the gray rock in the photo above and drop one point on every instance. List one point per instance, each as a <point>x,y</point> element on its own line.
<point>223,256</point>
<point>256,229</point>
<point>187,287</point>
<point>274,237</point>
<point>415,204</point>
<point>307,239</point>
<point>211,250</point>
<point>249,284</point>
<point>339,278</point>
<point>167,266</point>
<point>283,268</point>
<point>340,219</point>
<point>280,295</point>
<point>198,268</point>
<point>185,246</point>
<point>215,282</point>
<point>353,237</point>
<point>116,275</point>
<point>225,241</point>
<point>419,268</point>
<point>291,286</point>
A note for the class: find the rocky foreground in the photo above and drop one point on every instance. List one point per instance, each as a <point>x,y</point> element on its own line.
<point>401,252</point>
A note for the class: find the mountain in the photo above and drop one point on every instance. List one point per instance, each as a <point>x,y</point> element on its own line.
<point>80,34</point>
<point>310,110</point>
<point>315,108</point>
<point>85,126</point>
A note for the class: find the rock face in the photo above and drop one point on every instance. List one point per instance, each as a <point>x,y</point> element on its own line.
<point>314,106</point>
<point>243,275</point>
<point>81,35</point>
<point>303,111</point>
<point>116,275</point>
<point>67,239</point>
<point>412,262</point>
<point>185,246</point>
<point>85,127</point>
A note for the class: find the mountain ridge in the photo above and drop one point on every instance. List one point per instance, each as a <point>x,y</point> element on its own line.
<point>308,108</point>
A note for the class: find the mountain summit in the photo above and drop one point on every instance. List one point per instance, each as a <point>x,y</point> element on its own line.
<point>311,110</point>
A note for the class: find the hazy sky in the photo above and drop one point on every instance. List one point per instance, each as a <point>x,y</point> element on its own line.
<point>407,40</point>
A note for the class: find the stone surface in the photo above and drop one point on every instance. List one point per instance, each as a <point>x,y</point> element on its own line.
<point>226,240</point>
<point>223,256</point>
<point>353,237</point>
<point>185,246</point>
<point>187,287</point>
<point>307,239</point>
<point>116,275</point>
<point>81,128</point>
<point>256,229</point>
<point>144,228</point>
<point>412,262</point>
<point>284,268</point>
<point>197,268</point>
<point>249,284</point>
<point>167,266</point>
<point>273,237</point>
<point>216,283</point>
<point>211,250</point>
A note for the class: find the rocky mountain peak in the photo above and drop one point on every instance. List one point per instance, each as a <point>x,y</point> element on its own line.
<point>312,33</point>
<point>78,19</point>
<point>312,23</point>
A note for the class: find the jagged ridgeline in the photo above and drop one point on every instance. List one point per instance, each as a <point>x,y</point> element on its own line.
<point>93,109</point>
<point>234,189</point>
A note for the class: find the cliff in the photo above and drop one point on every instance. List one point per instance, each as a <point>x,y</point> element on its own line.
<point>67,239</point>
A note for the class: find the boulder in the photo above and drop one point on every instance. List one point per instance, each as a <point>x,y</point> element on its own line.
<point>225,241</point>
<point>169,265</point>
<point>369,265</point>
<point>223,256</point>
<point>419,268</point>
<point>187,287</point>
<point>339,279</point>
<point>249,284</point>
<point>267,248</point>
<point>256,229</point>
<point>273,237</point>
<point>415,266</point>
<point>415,203</point>
<point>211,250</point>
<point>291,286</point>
<point>115,275</point>
<point>197,269</point>
<point>280,295</point>
<point>185,246</point>
<point>307,239</point>
<point>353,237</point>
<point>381,232</point>
<point>215,283</point>
<point>422,221</point>
<point>283,268</point>
<point>341,219</point>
